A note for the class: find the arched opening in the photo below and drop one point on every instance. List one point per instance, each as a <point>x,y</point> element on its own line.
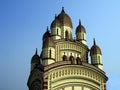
<point>99,60</point>
<point>64,58</point>
<point>72,59</point>
<point>83,36</point>
<point>57,31</point>
<point>50,53</point>
<point>66,34</point>
<point>78,60</point>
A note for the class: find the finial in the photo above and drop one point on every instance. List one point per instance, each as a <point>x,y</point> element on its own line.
<point>55,16</point>
<point>79,22</point>
<point>94,41</point>
<point>47,29</point>
<point>63,10</point>
<point>36,52</point>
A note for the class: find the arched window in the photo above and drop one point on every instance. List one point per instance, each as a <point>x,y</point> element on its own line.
<point>66,34</point>
<point>72,59</point>
<point>83,36</point>
<point>78,60</point>
<point>57,31</point>
<point>50,53</point>
<point>64,58</point>
<point>99,60</point>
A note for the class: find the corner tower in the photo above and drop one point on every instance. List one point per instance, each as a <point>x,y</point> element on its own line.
<point>96,56</point>
<point>81,33</point>
<point>61,27</point>
<point>63,62</point>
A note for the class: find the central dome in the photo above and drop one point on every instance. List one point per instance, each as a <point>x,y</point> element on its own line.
<point>64,19</point>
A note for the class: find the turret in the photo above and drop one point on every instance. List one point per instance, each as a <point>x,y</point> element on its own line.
<point>81,33</point>
<point>48,49</point>
<point>66,24</point>
<point>55,29</point>
<point>35,61</point>
<point>96,56</point>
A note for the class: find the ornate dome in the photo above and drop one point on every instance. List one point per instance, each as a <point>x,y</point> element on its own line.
<point>95,49</point>
<point>35,58</point>
<point>48,42</point>
<point>80,28</point>
<point>46,34</point>
<point>64,18</point>
<point>55,23</point>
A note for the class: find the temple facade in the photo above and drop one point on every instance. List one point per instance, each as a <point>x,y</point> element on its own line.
<point>63,63</point>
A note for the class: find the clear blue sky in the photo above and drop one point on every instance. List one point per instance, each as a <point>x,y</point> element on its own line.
<point>23,22</point>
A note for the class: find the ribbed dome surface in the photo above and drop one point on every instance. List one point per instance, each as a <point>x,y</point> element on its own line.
<point>46,34</point>
<point>48,42</point>
<point>80,28</point>
<point>55,23</point>
<point>95,49</point>
<point>64,19</point>
<point>35,58</point>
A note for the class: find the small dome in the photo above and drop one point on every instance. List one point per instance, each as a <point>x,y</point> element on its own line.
<point>35,58</point>
<point>64,19</point>
<point>46,34</point>
<point>48,42</point>
<point>55,23</point>
<point>80,28</point>
<point>95,49</point>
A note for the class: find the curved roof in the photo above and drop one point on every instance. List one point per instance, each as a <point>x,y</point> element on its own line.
<point>55,23</point>
<point>64,19</point>
<point>35,58</point>
<point>95,49</point>
<point>46,34</point>
<point>48,42</point>
<point>80,28</point>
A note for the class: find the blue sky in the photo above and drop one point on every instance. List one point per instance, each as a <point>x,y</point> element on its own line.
<point>23,22</point>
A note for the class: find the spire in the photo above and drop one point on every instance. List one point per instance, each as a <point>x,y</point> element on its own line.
<point>62,10</point>
<point>79,22</point>
<point>36,52</point>
<point>94,41</point>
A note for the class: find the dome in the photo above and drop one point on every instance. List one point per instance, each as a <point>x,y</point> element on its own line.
<point>46,34</point>
<point>80,28</point>
<point>55,23</point>
<point>48,42</point>
<point>64,19</point>
<point>95,49</point>
<point>35,58</point>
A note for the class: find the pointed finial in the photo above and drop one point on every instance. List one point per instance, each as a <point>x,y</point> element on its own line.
<point>36,52</point>
<point>63,10</point>
<point>55,15</point>
<point>79,22</point>
<point>47,29</point>
<point>94,41</point>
